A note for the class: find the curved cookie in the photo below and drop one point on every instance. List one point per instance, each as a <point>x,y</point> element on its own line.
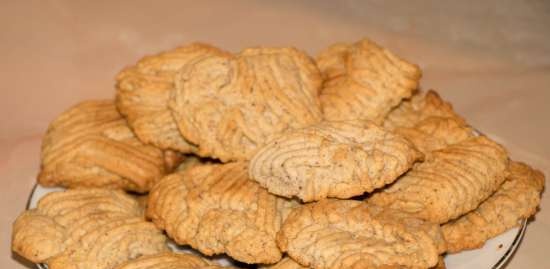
<point>143,92</point>
<point>352,234</point>
<point>420,107</point>
<point>288,263</point>
<point>90,145</point>
<point>285,263</point>
<point>435,133</point>
<point>516,199</point>
<point>170,260</point>
<point>85,228</point>
<point>217,209</point>
<point>228,106</point>
<point>364,81</point>
<point>450,182</point>
<point>332,159</point>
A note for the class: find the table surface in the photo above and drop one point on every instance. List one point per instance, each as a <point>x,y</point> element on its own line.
<point>491,59</point>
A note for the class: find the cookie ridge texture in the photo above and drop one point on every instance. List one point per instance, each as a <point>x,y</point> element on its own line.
<point>332,159</point>
<point>216,209</point>
<point>90,145</point>
<point>144,90</point>
<point>228,105</point>
<point>450,182</point>
<point>352,234</point>
<point>85,228</point>
<point>516,199</point>
<point>170,260</point>
<point>364,81</point>
<point>419,107</point>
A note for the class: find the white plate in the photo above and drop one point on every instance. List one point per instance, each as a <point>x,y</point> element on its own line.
<point>493,255</point>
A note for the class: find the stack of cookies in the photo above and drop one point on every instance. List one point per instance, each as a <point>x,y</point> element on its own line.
<point>274,159</point>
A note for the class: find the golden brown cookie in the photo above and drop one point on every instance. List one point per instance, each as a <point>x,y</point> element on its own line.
<point>285,263</point>
<point>288,263</point>
<point>229,105</point>
<point>332,159</point>
<point>144,89</point>
<point>364,81</point>
<point>216,209</point>
<point>440,263</point>
<point>418,108</point>
<point>435,133</point>
<point>193,160</point>
<point>90,145</point>
<point>450,182</point>
<point>85,229</point>
<point>170,260</point>
<point>352,234</point>
<point>516,199</point>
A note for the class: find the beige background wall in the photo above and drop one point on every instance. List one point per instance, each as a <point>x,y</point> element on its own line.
<point>490,58</point>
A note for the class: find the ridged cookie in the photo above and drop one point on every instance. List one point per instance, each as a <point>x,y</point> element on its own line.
<point>516,199</point>
<point>352,234</point>
<point>217,209</point>
<point>170,260</point>
<point>435,133</point>
<point>288,263</point>
<point>90,145</point>
<point>418,108</point>
<point>450,182</point>
<point>229,105</point>
<point>285,263</point>
<point>364,81</point>
<point>332,159</point>
<point>85,229</point>
<point>144,89</point>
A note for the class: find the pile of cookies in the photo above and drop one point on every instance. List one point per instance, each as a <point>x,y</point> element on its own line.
<point>274,159</point>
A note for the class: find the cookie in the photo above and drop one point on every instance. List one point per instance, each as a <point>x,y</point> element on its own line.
<point>332,159</point>
<point>170,260</point>
<point>85,228</point>
<point>450,182</point>
<point>364,81</point>
<point>516,199</point>
<point>90,145</point>
<point>352,234</point>
<point>144,89</point>
<point>217,209</point>
<point>230,105</point>
<point>435,133</point>
<point>288,263</point>
<point>418,108</point>
<point>285,263</point>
